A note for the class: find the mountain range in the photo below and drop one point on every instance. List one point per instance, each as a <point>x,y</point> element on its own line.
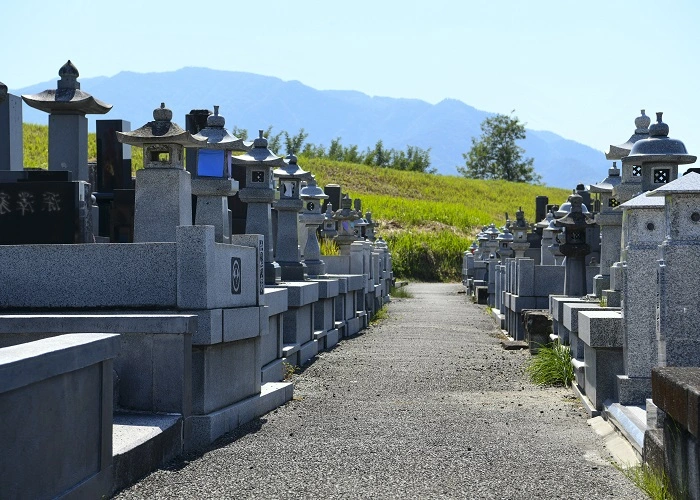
<point>255,102</point>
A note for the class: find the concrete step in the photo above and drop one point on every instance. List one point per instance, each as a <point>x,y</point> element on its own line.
<point>142,442</point>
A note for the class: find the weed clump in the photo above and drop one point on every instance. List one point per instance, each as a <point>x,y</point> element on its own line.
<point>551,366</point>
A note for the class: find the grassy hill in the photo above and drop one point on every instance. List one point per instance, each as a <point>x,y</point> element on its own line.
<point>427,220</point>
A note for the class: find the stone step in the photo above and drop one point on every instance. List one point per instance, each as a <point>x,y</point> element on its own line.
<point>142,442</point>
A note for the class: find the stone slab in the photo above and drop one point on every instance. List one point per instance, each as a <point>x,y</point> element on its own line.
<point>89,276</point>
<point>300,293</point>
<point>600,328</point>
<point>276,299</point>
<point>273,371</point>
<point>244,323</point>
<point>207,428</point>
<point>327,288</point>
<point>308,351</point>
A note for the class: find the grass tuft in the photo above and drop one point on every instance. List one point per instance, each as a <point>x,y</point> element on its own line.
<point>400,293</point>
<point>551,366</point>
<point>329,247</point>
<point>655,484</point>
<point>380,315</point>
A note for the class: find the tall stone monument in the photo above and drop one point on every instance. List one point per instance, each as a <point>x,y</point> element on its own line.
<point>678,292</point>
<point>11,152</point>
<point>658,158</point>
<point>67,106</point>
<point>610,222</point>
<point>312,218</point>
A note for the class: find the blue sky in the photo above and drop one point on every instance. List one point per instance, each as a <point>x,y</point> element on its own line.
<point>580,69</point>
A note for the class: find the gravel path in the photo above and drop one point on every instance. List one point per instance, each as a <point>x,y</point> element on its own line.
<point>425,404</point>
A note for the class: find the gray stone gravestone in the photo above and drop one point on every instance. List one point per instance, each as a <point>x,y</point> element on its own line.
<point>11,152</point>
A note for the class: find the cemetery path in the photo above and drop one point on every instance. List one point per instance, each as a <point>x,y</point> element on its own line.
<point>426,404</point>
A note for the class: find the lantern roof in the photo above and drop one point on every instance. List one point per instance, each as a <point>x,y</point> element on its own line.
<point>217,137</point>
<point>642,201</point>
<point>659,147</point>
<point>312,191</point>
<point>291,168</point>
<point>608,184</point>
<point>160,131</point>
<point>67,98</point>
<point>259,153</point>
<point>685,184</point>
<point>641,131</point>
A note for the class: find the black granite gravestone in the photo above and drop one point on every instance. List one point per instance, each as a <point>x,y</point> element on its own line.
<point>42,212</point>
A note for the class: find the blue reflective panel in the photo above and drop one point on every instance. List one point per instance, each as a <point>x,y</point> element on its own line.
<point>210,163</point>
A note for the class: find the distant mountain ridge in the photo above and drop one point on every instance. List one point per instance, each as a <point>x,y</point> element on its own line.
<point>255,102</point>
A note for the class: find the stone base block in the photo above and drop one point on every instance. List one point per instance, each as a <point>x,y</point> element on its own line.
<point>633,390</point>
<point>142,443</point>
<point>612,298</point>
<point>353,327</point>
<point>602,367</point>
<point>273,371</point>
<point>308,351</point>
<point>332,338</point>
<point>580,373</point>
<point>482,295</point>
<point>207,428</point>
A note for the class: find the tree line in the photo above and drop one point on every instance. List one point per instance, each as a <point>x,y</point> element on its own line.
<point>412,159</point>
<point>493,155</point>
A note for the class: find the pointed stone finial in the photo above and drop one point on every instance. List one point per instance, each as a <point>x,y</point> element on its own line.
<point>642,123</point>
<point>69,76</point>
<point>162,114</point>
<point>216,120</point>
<point>659,129</point>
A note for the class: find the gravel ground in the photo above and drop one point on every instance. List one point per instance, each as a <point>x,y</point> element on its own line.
<point>425,404</point>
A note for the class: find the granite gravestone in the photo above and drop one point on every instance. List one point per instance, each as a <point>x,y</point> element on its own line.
<point>11,153</point>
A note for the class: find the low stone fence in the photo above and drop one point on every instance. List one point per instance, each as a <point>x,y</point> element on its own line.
<point>56,413</point>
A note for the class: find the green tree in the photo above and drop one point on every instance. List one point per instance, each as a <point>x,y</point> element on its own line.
<point>294,143</point>
<point>496,155</point>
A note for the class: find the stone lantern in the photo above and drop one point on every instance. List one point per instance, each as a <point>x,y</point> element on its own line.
<point>328,231</point>
<point>361,222</point>
<point>552,234</point>
<point>163,187</point>
<point>491,244</point>
<point>658,157</point>
<point>520,230</point>
<point>288,206</point>
<point>678,291</point>
<point>610,222</point>
<point>505,240</point>
<point>482,238</point>
<point>371,225</point>
<point>312,218</point>
<point>67,106</point>
<point>258,194</point>
<point>546,257</point>
<point>630,174</point>
<point>213,184</point>
<point>575,248</point>
<point>473,247</point>
<point>345,219</point>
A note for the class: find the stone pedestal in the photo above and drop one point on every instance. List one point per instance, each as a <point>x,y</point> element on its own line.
<point>163,202</point>
<point>288,256</point>
<point>212,204</point>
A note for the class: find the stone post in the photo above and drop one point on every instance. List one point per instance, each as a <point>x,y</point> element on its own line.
<point>11,152</point>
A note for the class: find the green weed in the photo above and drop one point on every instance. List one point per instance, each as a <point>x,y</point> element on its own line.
<point>380,315</point>
<point>329,247</point>
<point>551,366</point>
<point>655,484</point>
<point>400,293</point>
